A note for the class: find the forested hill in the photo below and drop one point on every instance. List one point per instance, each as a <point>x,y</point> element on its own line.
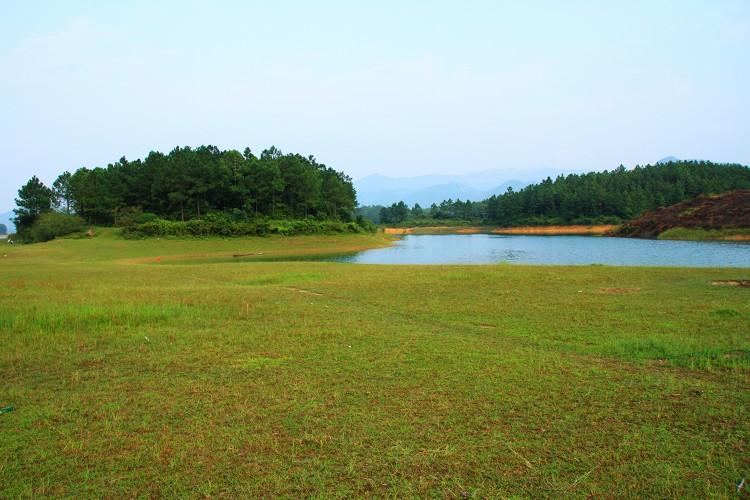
<point>617,194</point>
<point>596,197</point>
<point>188,182</point>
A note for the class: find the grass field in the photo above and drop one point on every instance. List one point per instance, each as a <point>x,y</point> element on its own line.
<point>700,234</point>
<point>171,368</point>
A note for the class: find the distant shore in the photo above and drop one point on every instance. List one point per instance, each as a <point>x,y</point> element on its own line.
<point>595,230</point>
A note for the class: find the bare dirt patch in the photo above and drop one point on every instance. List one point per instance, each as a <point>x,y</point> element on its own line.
<point>619,290</point>
<point>306,292</point>
<point>235,255</point>
<point>742,283</point>
<point>725,211</point>
<point>469,230</point>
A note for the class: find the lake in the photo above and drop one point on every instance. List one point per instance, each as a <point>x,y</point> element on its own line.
<point>560,250</point>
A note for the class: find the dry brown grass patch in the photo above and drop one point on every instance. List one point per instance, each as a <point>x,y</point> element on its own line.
<point>619,290</point>
<point>553,230</point>
<point>742,283</point>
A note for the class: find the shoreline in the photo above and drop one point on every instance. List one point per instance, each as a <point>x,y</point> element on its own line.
<point>584,230</point>
<point>681,234</point>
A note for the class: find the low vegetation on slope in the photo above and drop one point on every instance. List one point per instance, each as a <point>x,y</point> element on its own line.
<point>158,368</point>
<point>725,216</point>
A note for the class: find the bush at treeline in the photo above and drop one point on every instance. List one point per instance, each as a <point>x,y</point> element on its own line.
<point>591,198</point>
<point>221,225</point>
<point>52,224</point>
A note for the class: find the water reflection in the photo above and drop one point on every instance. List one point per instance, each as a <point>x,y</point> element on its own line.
<point>563,250</point>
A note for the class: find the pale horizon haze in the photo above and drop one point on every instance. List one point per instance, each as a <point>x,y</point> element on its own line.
<point>395,88</point>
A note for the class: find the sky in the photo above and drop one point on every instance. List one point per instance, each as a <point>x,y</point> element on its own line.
<point>399,88</point>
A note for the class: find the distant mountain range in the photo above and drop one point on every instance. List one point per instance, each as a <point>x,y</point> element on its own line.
<point>667,159</point>
<point>670,159</point>
<point>427,189</point>
<point>5,218</point>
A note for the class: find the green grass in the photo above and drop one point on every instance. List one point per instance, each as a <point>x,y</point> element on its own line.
<point>700,234</point>
<point>131,376</point>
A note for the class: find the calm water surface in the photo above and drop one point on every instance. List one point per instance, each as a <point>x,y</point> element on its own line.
<point>487,249</point>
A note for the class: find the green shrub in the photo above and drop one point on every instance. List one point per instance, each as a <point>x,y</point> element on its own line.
<point>198,227</point>
<point>127,216</point>
<point>146,217</point>
<point>156,227</point>
<point>366,225</point>
<point>52,224</point>
<point>230,225</point>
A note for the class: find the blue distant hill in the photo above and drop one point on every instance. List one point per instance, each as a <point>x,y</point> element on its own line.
<point>427,189</point>
<point>5,218</point>
<point>667,159</point>
<point>670,159</point>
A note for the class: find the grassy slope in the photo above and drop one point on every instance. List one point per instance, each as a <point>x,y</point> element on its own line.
<point>714,217</point>
<point>700,234</point>
<point>138,377</point>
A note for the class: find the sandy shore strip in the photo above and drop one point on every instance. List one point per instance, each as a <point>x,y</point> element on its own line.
<point>538,230</point>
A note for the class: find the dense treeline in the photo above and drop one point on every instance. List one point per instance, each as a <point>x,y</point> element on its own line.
<point>620,194</point>
<point>446,210</point>
<point>596,197</point>
<point>188,183</point>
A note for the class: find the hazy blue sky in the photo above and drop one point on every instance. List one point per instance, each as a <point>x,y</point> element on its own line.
<point>399,88</point>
